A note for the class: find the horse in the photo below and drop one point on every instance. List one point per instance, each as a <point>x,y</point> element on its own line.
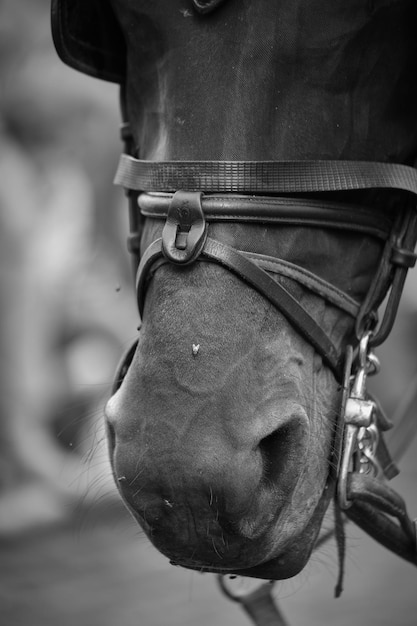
<point>269,151</point>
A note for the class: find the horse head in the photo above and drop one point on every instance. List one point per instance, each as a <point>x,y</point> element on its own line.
<point>222,429</point>
<point>224,422</point>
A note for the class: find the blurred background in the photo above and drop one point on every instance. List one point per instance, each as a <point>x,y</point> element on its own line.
<point>69,553</point>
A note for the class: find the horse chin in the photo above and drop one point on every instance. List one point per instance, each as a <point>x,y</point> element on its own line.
<point>292,559</point>
<point>285,560</point>
<point>288,563</point>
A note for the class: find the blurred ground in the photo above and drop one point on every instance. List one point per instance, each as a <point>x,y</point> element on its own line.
<point>69,553</point>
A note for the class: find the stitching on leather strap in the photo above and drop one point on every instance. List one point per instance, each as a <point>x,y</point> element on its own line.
<point>263,176</point>
<point>280,210</point>
<point>313,282</point>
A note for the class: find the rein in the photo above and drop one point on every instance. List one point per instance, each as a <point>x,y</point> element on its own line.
<point>188,196</point>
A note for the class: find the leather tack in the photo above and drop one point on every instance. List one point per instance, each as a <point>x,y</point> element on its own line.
<point>184,232</point>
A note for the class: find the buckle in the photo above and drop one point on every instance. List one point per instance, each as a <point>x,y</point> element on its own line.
<point>185,231</point>
<point>361,430</point>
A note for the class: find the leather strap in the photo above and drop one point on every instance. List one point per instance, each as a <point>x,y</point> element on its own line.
<point>304,212</point>
<point>374,508</point>
<point>123,366</point>
<point>256,277</point>
<point>278,296</point>
<point>304,277</point>
<point>262,609</point>
<point>263,176</point>
<point>258,604</point>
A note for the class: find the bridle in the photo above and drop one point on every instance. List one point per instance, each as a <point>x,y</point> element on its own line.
<point>188,196</point>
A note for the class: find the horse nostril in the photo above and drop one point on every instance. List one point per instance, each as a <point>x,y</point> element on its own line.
<point>280,450</point>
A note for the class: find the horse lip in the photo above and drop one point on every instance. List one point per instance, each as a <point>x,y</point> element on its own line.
<point>277,568</point>
<point>286,564</point>
<point>274,569</point>
<point>289,562</point>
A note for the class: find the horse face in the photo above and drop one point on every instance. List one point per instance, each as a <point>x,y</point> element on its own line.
<point>221,431</point>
